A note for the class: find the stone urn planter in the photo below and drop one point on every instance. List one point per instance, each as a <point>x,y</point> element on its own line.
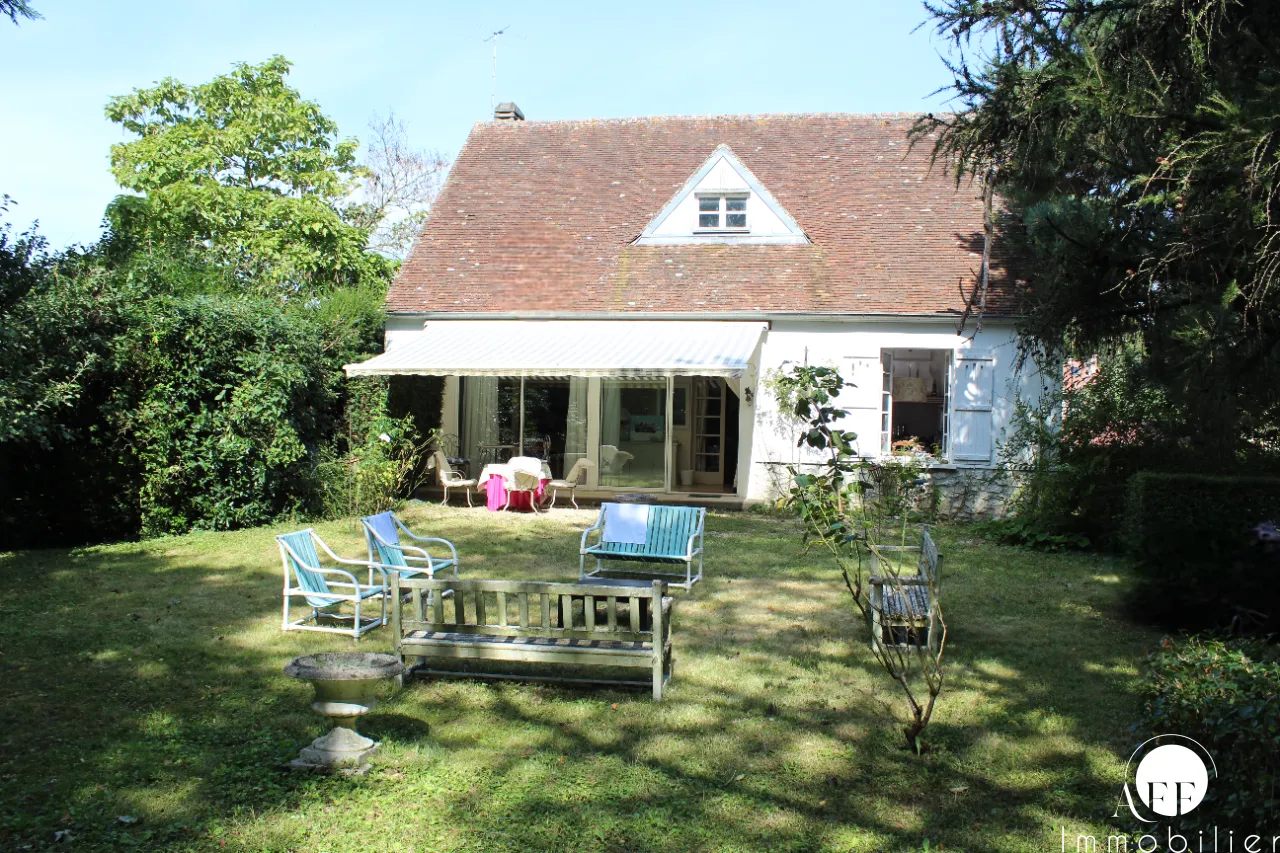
<point>344,683</point>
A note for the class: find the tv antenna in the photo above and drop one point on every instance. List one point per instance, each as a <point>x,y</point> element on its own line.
<point>493,91</point>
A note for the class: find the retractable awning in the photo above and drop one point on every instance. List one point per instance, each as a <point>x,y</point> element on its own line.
<point>606,348</point>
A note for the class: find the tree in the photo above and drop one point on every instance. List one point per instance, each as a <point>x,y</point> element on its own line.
<point>244,166</point>
<point>1137,141</point>
<point>400,185</point>
<point>16,8</point>
<point>859,513</point>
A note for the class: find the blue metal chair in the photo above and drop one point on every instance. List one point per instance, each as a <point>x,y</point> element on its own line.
<point>382,535</point>
<point>327,589</point>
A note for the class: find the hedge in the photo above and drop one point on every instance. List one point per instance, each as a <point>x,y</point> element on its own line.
<point>1223,694</point>
<point>1200,561</point>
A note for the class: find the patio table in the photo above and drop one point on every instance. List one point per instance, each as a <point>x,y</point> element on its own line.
<point>494,478</point>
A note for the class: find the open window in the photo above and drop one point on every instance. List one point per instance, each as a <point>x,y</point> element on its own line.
<point>914,401</point>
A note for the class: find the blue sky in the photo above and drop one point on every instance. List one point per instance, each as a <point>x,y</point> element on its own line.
<point>427,61</point>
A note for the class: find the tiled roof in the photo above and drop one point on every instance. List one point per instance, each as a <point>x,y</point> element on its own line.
<point>539,216</point>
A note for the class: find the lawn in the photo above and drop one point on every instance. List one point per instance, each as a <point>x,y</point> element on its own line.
<point>143,681</point>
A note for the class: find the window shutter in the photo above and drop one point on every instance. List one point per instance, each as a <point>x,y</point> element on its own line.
<point>863,377</point>
<point>972,397</point>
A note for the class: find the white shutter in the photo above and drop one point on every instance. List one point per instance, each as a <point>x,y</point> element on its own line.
<point>972,397</point>
<point>863,376</point>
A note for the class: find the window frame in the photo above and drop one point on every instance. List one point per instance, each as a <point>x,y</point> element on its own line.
<point>722,213</point>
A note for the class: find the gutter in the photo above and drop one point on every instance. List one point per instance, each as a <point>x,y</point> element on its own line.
<point>736,316</point>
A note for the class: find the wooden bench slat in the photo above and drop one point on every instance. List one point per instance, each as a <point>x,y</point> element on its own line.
<point>907,601</point>
<point>510,631</point>
<point>534,654</point>
<point>422,635</point>
<point>531,587</point>
<point>483,630</point>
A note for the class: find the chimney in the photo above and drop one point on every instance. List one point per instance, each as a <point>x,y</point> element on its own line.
<point>508,111</point>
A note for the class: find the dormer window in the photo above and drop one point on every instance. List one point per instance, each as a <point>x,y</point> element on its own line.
<point>711,209</point>
<point>722,212</point>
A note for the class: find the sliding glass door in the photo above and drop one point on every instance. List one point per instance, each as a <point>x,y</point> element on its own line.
<point>505,416</point>
<point>555,421</point>
<point>633,433</point>
<point>490,419</point>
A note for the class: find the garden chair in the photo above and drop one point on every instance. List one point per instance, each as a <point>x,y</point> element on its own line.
<point>447,443</point>
<point>613,461</point>
<point>383,533</point>
<point>570,482</point>
<point>449,478</point>
<point>327,589</point>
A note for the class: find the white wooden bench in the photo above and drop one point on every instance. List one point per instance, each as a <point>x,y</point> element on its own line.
<point>581,625</point>
<point>904,607</point>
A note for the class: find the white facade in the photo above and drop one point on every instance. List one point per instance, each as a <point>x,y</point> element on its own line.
<point>982,389</point>
<point>969,379</point>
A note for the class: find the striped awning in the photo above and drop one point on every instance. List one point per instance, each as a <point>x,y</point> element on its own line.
<point>607,348</point>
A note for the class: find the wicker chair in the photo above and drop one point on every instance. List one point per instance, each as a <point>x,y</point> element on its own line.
<point>449,444</point>
<point>570,481</point>
<point>449,478</point>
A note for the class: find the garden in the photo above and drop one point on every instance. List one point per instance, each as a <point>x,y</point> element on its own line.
<point>144,707</point>
<point>176,388</point>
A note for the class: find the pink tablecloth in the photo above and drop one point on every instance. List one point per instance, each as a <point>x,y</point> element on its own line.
<point>496,490</point>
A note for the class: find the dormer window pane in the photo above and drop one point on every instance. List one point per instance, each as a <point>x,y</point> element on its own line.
<point>736,212</point>
<point>709,212</point>
<point>722,212</point>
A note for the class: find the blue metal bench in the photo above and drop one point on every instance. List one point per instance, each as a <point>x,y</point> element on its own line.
<point>673,535</point>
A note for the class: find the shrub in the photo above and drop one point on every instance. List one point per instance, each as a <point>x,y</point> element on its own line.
<point>1024,532</point>
<point>1201,561</point>
<point>1223,694</point>
<point>238,399</point>
<point>384,462</point>
<point>67,474</point>
<point>142,393</point>
<point>1076,450</point>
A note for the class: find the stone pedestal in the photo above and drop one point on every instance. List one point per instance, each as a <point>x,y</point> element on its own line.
<point>344,683</point>
<point>340,749</point>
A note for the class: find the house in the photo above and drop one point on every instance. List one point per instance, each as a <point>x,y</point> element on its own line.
<point>624,291</point>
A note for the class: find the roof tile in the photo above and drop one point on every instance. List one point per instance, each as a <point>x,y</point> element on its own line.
<point>539,216</point>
